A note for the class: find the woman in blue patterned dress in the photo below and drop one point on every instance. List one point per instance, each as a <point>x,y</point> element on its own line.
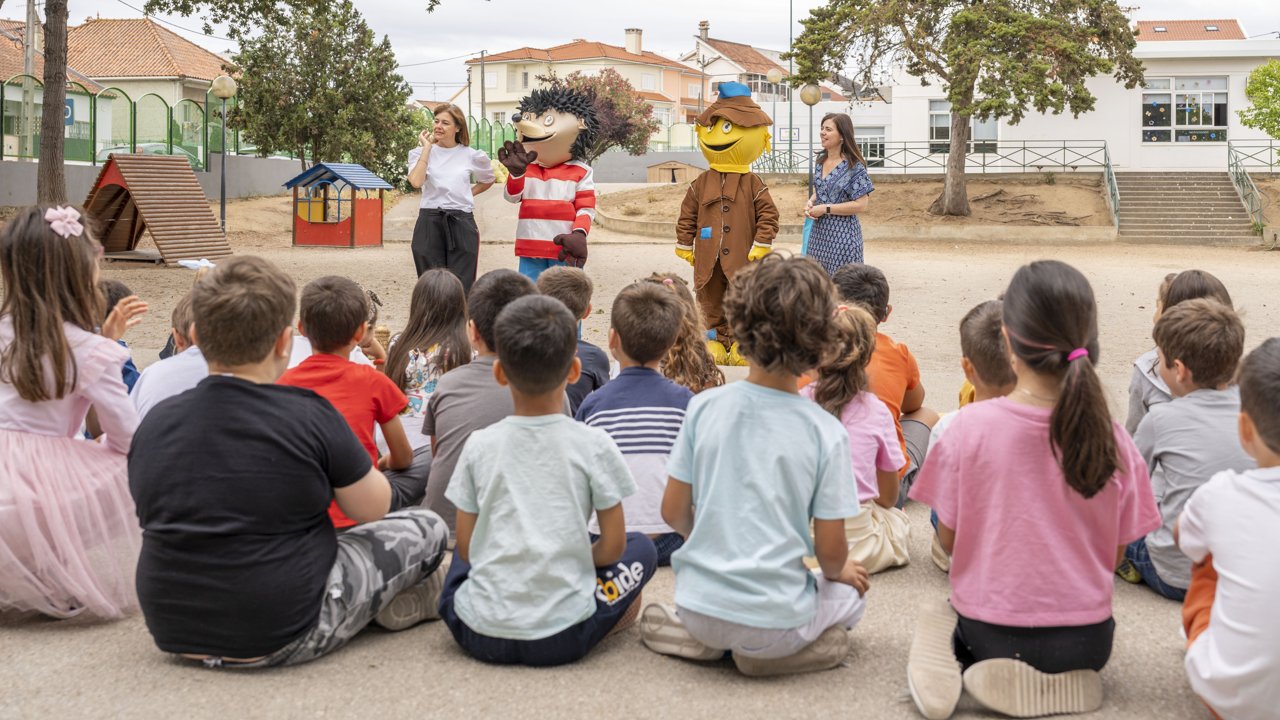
<point>841,189</point>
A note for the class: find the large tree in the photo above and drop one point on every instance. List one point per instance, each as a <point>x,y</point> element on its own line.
<point>51,182</point>
<point>1263,91</point>
<point>623,118</point>
<point>241,16</point>
<point>320,85</point>
<point>995,59</point>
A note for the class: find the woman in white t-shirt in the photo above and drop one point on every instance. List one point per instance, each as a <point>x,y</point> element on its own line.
<point>451,174</point>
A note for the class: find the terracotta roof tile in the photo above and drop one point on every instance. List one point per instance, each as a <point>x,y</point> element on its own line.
<point>654,96</point>
<point>580,50</point>
<point>745,56</point>
<point>1188,30</point>
<point>105,48</point>
<point>12,61</point>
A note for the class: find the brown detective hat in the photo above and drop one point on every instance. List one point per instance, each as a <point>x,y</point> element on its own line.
<point>739,110</point>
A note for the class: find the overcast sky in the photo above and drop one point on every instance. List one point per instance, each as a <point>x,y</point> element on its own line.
<point>464,27</point>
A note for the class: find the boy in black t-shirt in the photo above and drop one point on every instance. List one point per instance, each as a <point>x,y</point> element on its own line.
<point>572,287</point>
<point>240,565</point>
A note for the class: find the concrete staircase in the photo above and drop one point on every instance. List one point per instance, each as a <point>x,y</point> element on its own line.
<point>1179,207</point>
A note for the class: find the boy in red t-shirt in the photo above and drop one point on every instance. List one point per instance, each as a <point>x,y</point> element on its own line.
<point>334,317</point>
<point>892,373</point>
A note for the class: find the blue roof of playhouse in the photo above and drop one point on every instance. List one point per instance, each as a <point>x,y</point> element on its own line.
<point>357,176</point>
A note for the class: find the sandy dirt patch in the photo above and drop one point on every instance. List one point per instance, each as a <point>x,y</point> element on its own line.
<point>903,201</point>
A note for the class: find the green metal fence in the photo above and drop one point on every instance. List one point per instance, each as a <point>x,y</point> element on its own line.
<point>1257,155</point>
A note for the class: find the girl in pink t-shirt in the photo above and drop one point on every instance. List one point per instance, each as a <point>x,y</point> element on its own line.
<point>878,535</point>
<point>68,532</point>
<point>1037,495</point>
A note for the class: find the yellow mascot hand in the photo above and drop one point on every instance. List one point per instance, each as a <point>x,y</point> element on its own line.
<point>685,254</point>
<point>758,251</point>
<point>500,172</point>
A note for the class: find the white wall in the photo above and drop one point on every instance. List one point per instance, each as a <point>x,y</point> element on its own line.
<point>1117,114</point>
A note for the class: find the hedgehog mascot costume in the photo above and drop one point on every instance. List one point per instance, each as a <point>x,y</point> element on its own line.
<point>728,218</point>
<point>549,179</point>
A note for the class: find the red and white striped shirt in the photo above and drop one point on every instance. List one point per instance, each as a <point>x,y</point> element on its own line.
<point>552,201</point>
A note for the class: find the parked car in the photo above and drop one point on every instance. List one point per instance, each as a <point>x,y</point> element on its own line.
<point>153,149</point>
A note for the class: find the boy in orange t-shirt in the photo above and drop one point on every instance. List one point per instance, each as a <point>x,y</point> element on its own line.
<point>892,374</point>
<point>333,315</point>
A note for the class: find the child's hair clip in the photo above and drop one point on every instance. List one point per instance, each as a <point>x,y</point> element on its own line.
<point>668,282</point>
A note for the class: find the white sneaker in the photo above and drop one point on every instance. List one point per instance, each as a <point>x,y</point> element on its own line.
<point>828,651</point>
<point>939,556</point>
<point>1014,688</point>
<point>933,673</point>
<point>414,605</point>
<point>662,632</point>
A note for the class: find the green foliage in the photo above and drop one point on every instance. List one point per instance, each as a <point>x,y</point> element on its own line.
<point>1263,91</point>
<point>623,118</point>
<point>996,59</point>
<point>241,16</point>
<point>321,86</point>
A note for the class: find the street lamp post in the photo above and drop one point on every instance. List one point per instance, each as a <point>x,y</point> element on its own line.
<point>224,87</point>
<point>810,95</point>
<point>774,76</point>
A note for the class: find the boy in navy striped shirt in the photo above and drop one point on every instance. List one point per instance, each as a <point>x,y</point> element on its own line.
<point>640,409</point>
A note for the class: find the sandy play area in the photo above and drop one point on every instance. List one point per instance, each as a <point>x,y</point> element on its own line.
<point>77,669</point>
<point>1047,199</point>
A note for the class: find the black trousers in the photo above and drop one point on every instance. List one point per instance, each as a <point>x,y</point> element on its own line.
<point>1047,649</point>
<point>447,239</point>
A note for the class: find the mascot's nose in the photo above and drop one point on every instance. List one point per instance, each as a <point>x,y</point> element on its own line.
<point>515,118</point>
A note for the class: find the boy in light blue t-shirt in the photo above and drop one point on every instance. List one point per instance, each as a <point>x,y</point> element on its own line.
<point>752,465</point>
<point>527,585</point>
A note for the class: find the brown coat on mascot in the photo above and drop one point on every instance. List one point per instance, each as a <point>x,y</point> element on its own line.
<point>728,218</point>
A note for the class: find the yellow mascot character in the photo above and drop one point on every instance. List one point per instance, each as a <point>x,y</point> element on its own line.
<point>727,218</point>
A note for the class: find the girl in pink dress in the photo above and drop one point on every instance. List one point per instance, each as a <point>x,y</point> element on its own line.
<point>68,534</point>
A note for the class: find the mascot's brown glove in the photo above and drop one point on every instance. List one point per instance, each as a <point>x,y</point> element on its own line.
<point>515,158</point>
<point>573,248</point>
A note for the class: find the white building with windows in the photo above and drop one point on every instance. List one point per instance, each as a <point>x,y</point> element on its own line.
<point>1180,119</point>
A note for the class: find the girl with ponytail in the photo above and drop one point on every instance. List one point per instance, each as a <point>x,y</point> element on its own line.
<point>878,535</point>
<point>1037,495</point>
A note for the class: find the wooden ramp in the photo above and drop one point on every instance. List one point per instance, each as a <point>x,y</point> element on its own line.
<point>159,193</point>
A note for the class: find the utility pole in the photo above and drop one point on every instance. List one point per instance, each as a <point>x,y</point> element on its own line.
<point>791,121</point>
<point>27,126</point>
<point>470,109</point>
<point>484,80</point>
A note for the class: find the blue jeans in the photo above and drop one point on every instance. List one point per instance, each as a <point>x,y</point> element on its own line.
<point>533,267</point>
<point>572,643</point>
<point>1137,555</point>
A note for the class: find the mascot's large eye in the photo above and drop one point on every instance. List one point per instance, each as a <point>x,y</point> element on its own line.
<point>549,120</point>
<point>726,127</point>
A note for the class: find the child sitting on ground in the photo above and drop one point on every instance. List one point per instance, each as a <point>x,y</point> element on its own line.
<point>893,374</point>
<point>68,534</point>
<point>240,565</point>
<point>468,398</point>
<point>688,362</point>
<point>1146,386</point>
<point>741,583</point>
<point>177,373</point>
<point>1191,438</point>
<point>571,286</point>
<point>129,309</point>
<point>985,362</point>
<point>1230,529</point>
<point>877,535</point>
<point>526,585</point>
<point>1036,495</point>
<point>433,342</point>
<point>641,410</point>
<point>333,314</point>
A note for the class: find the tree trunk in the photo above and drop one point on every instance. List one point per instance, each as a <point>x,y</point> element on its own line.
<point>954,199</point>
<point>51,182</point>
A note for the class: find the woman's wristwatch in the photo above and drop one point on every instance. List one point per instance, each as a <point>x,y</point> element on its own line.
<point>828,212</point>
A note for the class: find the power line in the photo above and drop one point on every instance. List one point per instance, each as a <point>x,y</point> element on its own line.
<point>166,22</point>
<point>432,62</point>
<point>1273,32</point>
